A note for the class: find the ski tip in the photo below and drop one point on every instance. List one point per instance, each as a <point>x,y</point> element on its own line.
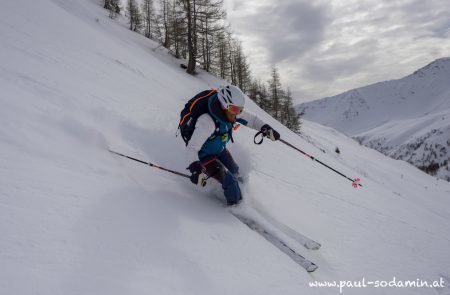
<point>312,246</point>
<point>312,268</point>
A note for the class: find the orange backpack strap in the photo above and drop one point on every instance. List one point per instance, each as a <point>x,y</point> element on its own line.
<point>193,104</point>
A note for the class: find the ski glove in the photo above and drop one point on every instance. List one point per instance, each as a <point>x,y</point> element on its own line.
<point>198,176</point>
<point>269,132</point>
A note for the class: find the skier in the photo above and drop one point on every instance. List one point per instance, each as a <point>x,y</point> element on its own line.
<point>211,133</point>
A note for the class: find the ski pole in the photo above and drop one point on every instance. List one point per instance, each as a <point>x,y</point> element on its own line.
<point>355,182</point>
<point>150,164</point>
<point>203,181</point>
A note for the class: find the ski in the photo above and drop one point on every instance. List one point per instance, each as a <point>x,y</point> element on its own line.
<point>276,241</point>
<point>303,240</point>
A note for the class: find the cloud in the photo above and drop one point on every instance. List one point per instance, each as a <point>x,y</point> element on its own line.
<point>323,47</point>
<point>284,31</point>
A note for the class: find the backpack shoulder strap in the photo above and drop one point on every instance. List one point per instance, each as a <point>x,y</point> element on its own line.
<point>217,123</point>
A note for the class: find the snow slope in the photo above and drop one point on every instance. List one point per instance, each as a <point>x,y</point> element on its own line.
<point>406,119</point>
<point>75,219</point>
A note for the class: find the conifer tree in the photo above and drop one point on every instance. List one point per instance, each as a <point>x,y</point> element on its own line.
<point>113,6</point>
<point>290,118</point>
<point>134,16</point>
<point>211,16</point>
<point>190,8</point>
<point>275,94</point>
<point>148,18</point>
<point>164,27</point>
<point>222,68</point>
<point>179,30</point>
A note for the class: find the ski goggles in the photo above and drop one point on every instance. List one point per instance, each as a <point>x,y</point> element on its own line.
<point>235,110</point>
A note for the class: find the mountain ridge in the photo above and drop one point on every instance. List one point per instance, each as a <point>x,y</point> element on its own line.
<point>406,119</point>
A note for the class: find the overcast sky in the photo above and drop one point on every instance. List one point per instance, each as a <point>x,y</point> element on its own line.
<point>325,47</point>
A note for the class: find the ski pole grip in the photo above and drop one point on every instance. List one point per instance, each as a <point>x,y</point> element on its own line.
<point>258,134</point>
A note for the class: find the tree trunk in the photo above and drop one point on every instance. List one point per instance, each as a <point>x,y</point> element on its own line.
<point>191,49</point>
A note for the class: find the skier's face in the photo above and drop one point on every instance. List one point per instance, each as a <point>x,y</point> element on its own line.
<point>231,117</point>
<point>232,111</point>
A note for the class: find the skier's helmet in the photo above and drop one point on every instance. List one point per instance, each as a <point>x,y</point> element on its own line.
<point>231,98</point>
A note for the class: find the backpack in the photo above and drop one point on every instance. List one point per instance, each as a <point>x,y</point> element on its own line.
<point>193,109</point>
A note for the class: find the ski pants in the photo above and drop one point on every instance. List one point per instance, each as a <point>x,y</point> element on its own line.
<point>224,169</point>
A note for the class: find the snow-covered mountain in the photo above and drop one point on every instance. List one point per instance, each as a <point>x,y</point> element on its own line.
<point>406,119</point>
<point>76,219</point>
